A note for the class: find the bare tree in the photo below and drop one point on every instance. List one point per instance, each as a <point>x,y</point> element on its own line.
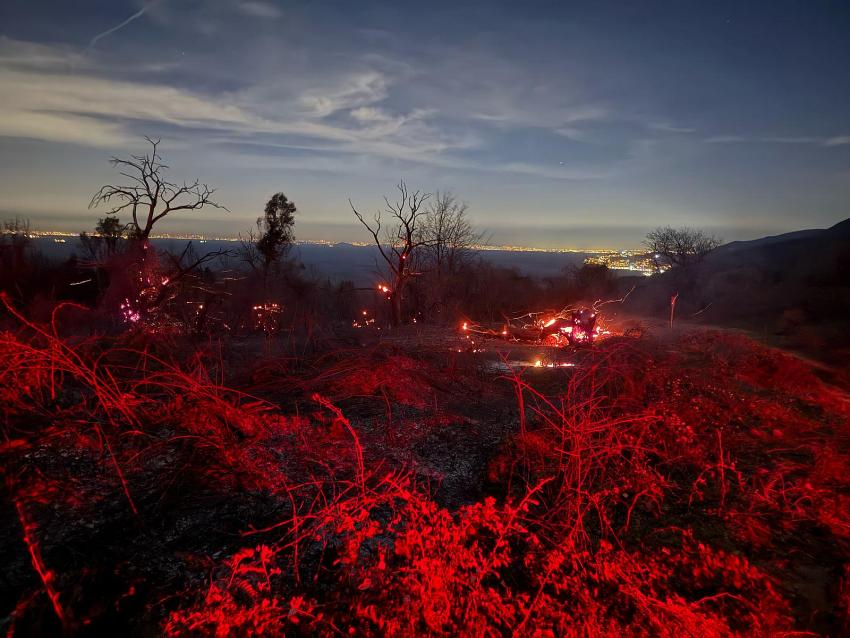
<point>449,247</point>
<point>399,241</point>
<point>149,196</point>
<point>248,252</point>
<point>448,234</point>
<point>680,246</point>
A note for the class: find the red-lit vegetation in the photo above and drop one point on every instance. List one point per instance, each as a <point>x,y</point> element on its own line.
<point>696,487</point>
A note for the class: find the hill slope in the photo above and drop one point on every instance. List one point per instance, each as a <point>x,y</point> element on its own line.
<point>796,285</point>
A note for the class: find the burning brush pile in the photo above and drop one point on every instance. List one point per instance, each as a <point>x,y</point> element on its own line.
<point>569,327</point>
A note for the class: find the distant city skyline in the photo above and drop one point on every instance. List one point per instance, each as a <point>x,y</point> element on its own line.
<point>562,124</point>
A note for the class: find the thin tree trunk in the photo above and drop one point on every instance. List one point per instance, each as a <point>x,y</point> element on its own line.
<point>395,307</point>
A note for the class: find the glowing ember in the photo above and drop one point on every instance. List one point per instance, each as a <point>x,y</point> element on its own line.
<point>129,313</point>
<point>363,322</point>
<point>568,327</point>
<point>266,317</point>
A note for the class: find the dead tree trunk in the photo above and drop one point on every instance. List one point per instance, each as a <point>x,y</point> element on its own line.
<point>398,243</point>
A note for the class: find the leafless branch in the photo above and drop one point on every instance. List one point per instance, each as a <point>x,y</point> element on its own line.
<point>400,239</point>
<point>149,194</point>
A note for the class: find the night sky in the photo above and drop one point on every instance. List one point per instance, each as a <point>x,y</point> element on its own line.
<point>560,123</point>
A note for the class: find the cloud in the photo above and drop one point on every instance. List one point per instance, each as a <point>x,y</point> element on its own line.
<point>507,113</point>
<point>727,139</point>
<point>554,172</point>
<point>123,24</point>
<point>837,140</point>
<point>83,108</point>
<point>33,56</point>
<point>110,101</point>
<point>258,9</point>
<point>65,128</point>
<point>371,107</point>
<point>355,163</point>
<point>669,128</point>
<point>370,114</point>
<point>573,133</point>
<point>361,89</point>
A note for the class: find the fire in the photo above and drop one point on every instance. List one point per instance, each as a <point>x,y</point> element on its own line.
<point>571,326</point>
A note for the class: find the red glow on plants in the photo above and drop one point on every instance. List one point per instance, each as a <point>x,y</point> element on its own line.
<point>46,575</point>
<point>637,490</point>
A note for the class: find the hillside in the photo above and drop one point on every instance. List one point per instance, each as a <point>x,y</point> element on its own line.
<point>793,286</point>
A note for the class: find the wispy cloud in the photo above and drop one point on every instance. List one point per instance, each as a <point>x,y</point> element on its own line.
<point>64,127</point>
<point>48,104</point>
<point>727,139</point>
<point>124,23</point>
<point>670,128</point>
<point>259,9</point>
<point>371,107</point>
<point>355,91</point>
<point>34,56</point>
<point>837,140</point>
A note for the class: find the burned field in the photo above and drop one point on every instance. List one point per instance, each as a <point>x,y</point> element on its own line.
<point>445,319</point>
<point>688,486</point>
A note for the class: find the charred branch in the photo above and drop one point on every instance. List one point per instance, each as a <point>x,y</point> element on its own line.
<point>148,195</point>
